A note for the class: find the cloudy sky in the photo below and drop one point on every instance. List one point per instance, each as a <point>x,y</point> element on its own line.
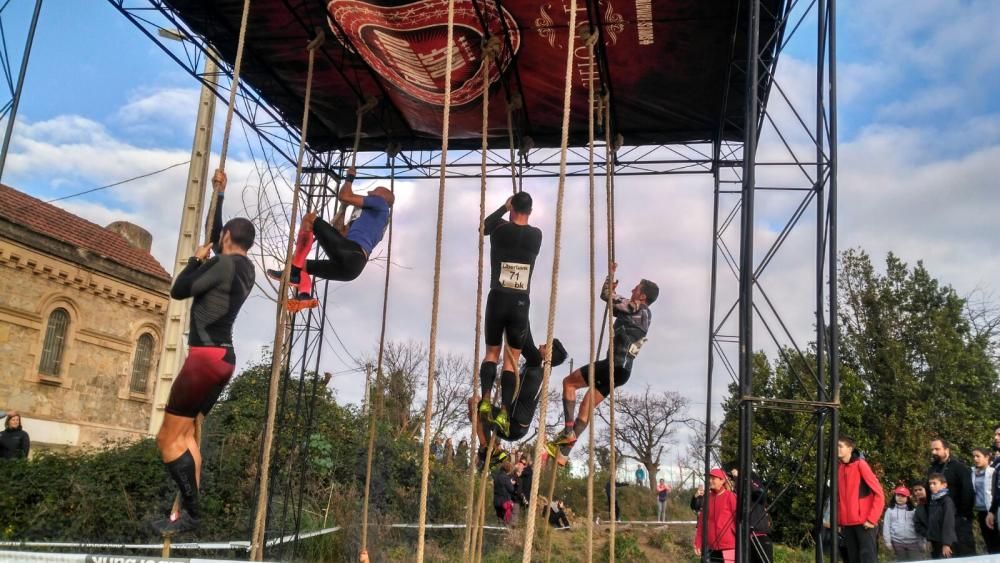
<point>919,133</point>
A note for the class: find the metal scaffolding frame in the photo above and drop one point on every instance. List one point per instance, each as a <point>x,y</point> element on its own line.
<point>801,162</point>
<point>801,167</point>
<point>300,386</point>
<point>10,94</point>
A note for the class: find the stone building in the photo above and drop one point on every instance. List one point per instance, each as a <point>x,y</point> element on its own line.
<point>82,311</point>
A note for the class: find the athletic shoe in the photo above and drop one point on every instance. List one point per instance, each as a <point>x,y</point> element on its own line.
<point>554,452</point>
<point>498,458</point>
<point>486,410</point>
<point>301,302</point>
<point>565,438</point>
<point>184,522</point>
<point>293,276</point>
<point>502,422</point>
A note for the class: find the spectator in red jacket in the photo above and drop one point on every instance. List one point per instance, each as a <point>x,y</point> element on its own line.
<point>721,524</point>
<point>860,501</point>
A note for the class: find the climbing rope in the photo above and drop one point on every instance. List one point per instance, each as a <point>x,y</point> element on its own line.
<point>529,532</point>
<point>481,505</point>
<point>513,105</point>
<point>548,509</point>
<point>233,89</point>
<point>590,37</point>
<point>370,102</point>
<point>609,318</point>
<point>490,50</point>
<point>432,348</point>
<point>374,413</point>
<point>283,322</point>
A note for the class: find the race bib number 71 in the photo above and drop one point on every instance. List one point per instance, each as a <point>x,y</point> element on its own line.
<point>514,275</point>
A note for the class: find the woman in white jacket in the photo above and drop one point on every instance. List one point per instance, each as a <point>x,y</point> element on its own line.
<point>898,531</point>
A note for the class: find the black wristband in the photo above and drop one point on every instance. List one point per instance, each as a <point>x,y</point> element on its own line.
<point>349,178</point>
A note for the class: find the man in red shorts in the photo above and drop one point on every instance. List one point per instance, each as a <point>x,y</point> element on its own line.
<point>218,287</point>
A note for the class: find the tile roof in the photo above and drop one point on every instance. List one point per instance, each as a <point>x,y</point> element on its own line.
<point>51,221</point>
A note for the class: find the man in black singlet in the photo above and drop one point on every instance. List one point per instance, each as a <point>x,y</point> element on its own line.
<point>514,246</point>
<point>218,287</point>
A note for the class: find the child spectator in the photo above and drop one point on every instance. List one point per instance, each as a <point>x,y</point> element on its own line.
<point>898,530</point>
<point>940,518</point>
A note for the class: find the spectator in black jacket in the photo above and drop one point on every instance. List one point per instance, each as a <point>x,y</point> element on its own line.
<point>503,492</point>
<point>992,517</point>
<point>14,441</point>
<point>941,518</point>
<point>920,502</point>
<point>524,482</point>
<point>762,550</point>
<point>960,489</point>
<point>697,499</point>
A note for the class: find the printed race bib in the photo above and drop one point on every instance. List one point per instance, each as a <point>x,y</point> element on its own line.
<point>514,275</point>
<point>633,350</point>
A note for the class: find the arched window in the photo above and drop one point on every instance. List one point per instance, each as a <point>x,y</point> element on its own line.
<point>55,343</point>
<point>141,364</point>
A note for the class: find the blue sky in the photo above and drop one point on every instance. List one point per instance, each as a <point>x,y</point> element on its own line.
<point>919,143</point>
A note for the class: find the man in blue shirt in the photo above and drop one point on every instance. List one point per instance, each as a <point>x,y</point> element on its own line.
<point>347,254</point>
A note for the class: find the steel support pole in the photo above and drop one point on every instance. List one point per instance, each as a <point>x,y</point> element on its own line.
<point>711,351</point>
<point>751,116</point>
<point>821,395</point>
<point>20,85</point>
<point>834,335</point>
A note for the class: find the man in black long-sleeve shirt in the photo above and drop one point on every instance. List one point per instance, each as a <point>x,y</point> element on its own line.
<point>218,288</point>
<point>514,246</point>
<point>961,491</point>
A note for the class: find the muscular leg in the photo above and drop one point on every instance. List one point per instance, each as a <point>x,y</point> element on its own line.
<point>584,415</point>
<point>172,437</point>
<point>174,440</point>
<point>510,359</point>
<point>583,418</point>
<point>192,446</point>
<point>345,260</point>
<point>488,371</point>
<point>570,385</point>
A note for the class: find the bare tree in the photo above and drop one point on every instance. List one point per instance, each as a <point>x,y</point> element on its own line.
<point>983,313</point>
<point>452,389</point>
<point>645,424</point>
<point>692,464</point>
<point>402,367</point>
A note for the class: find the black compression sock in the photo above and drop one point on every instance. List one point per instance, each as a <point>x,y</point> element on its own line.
<point>508,384</point>
<point>579,426</point>
<point>569,406</point>
<point>487,376</point>
<point>182,471</point>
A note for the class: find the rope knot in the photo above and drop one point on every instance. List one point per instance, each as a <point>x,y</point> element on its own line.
<point>369,104</point>
<point>589,35</point>
<point>515,103</point>
<point>491,48</point>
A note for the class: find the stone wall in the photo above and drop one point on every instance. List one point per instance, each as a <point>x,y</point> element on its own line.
<point>90,400</point>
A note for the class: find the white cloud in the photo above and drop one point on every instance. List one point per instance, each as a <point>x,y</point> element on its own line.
<point>151,111</point>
